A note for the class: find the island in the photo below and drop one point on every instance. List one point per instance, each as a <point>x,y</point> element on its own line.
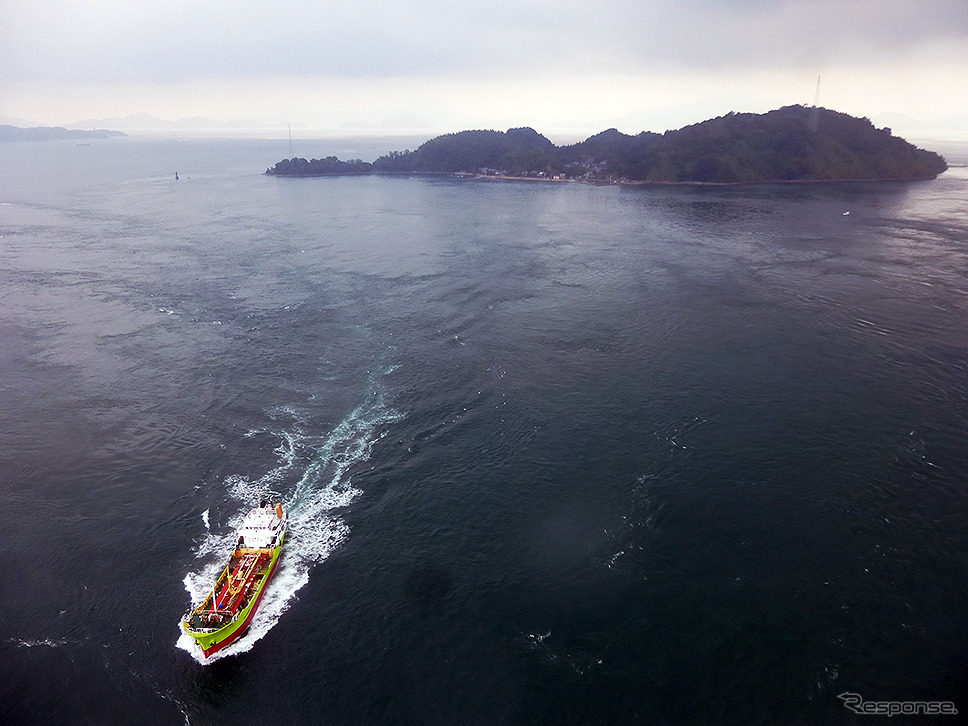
<point>789,144</point>
<point>53,133</point>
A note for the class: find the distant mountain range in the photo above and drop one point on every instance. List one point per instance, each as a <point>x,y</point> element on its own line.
<point>950,126</point>
<point>147,121</point>
<point>657,118</point>
<point>144,121</point>
<point>53,133</point>
<point>794,143</point>
<point>402,121</point>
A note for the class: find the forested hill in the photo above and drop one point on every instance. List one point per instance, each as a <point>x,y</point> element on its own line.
<point>794,143</point>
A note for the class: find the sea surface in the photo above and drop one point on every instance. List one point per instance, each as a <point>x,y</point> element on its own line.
<point>553,453</point>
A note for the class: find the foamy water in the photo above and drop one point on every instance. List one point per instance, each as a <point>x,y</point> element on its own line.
<point>323,465</point>
<point>670,455</point>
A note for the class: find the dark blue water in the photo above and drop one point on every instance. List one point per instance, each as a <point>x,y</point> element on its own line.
<point>554,453</point>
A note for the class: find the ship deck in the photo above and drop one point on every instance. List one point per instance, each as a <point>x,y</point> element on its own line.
<point>233,591</point>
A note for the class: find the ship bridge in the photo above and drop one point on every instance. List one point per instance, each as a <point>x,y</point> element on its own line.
<point>262,527</point>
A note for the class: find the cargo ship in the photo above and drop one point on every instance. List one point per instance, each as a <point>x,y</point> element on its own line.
<point>232,601</point>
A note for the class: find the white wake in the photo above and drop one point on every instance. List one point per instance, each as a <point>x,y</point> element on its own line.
<point>320,466</point>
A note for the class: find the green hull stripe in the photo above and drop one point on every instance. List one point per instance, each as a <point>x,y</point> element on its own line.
<point>207,640</point>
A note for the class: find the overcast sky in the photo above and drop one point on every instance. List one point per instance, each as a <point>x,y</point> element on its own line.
<point>545,63</point>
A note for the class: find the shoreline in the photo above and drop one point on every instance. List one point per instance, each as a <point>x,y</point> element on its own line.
<point>604,182</point>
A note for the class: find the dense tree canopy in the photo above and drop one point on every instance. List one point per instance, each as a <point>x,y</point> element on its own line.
<point>794,143</point>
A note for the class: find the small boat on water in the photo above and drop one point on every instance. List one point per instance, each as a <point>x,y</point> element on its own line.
<point>232,601</point>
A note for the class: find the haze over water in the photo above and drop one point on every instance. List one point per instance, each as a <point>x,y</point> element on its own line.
<point>552,452</point>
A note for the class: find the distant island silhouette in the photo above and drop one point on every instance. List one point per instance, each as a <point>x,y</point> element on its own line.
<point>790,144</point>
<point>53,133</point>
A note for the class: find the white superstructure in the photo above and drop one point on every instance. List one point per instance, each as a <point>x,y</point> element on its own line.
<point>262,527</point>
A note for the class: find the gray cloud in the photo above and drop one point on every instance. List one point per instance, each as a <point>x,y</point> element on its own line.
<point>115,40</point>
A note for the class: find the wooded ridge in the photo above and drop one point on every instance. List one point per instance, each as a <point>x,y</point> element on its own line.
<point>793,143</point>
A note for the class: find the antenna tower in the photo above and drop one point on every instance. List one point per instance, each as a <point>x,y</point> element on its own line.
<point>814,123</point>
<point>290,141</point>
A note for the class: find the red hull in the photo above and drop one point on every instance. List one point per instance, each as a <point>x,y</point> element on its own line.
<point>245,624</point>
